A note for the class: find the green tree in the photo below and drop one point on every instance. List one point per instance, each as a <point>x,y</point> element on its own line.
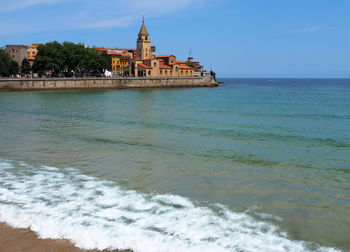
<point>49,58</point>
<point>107,63</point>
<point>68,57</point>
<point>189,64</point>
<point>14,68</point>
<point>25,67</point>
<point>92,63</point>
<point>5,61</point>
<point>72,54</point>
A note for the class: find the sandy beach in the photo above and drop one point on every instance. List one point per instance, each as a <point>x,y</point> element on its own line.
<point>25,240</point>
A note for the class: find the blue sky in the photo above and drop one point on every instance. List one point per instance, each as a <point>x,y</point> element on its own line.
<point>236,38</point>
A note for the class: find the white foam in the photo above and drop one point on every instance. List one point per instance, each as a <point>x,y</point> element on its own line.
<point>95,214</point>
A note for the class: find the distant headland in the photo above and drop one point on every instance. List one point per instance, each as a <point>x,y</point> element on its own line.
<point>70,60</point>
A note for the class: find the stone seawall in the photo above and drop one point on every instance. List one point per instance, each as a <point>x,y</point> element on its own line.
<point>103,83</point>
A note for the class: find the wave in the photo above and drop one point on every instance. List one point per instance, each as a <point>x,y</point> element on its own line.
<point>63,203</point>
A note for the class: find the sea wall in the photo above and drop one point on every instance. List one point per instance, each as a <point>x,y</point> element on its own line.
<point>103,83</point>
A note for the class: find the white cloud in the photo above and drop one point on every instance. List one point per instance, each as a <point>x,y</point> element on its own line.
<point>22,4</point>
<point>311,29</point>
<point>114,22</point>
<point>132,10</point>
<point>307,30</point>
<point>84,14</point>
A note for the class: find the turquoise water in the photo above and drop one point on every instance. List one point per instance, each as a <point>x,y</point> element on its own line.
<point>253,165</point>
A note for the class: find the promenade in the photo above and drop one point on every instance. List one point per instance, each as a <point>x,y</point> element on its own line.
<point>23,84</point>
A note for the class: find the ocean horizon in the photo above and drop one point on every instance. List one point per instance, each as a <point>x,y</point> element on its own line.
<point>257,164</point>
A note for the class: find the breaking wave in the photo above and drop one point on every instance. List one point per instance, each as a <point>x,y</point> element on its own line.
<point>98,214</point>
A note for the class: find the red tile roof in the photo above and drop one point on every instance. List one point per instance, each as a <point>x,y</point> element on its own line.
<point>102,49</point>
<point>183,66</point>
<point>164,56</point>
<point>180,62</point>
<point>144,66</point>
<point>165,67</point>
<point>31,58</point>
<point>119,54</point>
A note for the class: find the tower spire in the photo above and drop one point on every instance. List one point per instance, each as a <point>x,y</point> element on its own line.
<point>143,30</point>
<point>190,58</point>
<point>143,42</point>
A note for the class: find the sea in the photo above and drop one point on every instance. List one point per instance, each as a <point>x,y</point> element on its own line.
<point>252,165</point>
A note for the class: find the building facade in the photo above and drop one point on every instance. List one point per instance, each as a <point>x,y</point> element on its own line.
<point>20,52</point>
<point>17,52</point>
<point>120,63</point>
<point>120,59</point>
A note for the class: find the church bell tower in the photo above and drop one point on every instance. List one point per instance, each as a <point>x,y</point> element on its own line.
<point>143,43</point>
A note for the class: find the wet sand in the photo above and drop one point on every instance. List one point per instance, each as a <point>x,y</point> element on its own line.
<point>25,240</point>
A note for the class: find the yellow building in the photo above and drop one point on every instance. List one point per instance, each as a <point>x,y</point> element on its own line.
<point>120,63</point>
<point>32,50</point>
<point>161,66</point>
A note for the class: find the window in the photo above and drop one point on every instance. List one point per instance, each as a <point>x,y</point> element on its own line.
<point>149,72</point>
<point>155,64</point>
<point>146,37</point>
<point>161,71</point>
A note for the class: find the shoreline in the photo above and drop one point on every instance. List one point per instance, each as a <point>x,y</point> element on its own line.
<point>105,83</point>
<point>19,239</point>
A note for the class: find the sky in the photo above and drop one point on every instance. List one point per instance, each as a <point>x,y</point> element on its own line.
<point>234,38</point>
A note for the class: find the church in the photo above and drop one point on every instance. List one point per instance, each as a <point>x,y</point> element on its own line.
<point>145,65</point>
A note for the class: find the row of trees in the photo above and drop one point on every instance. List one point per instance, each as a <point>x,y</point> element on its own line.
<point>70,59</point>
